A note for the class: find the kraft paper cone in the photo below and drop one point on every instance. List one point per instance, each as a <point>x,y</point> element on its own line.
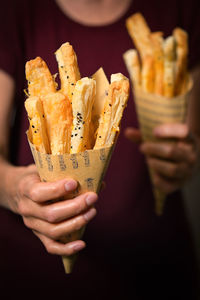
<point>154,110</point>
<point>88,168</point>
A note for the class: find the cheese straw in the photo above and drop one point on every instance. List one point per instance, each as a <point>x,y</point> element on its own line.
<point>82,103</point>
<point>37,123</point>
<point>58,116</point>
<point>111,115</point>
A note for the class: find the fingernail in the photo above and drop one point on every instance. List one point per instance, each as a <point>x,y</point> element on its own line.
<point>91,199</point>
<point>90,214</point>
<point>70,185</point>
<point>78,247</point>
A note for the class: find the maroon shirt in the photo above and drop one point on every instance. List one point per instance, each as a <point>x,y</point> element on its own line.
<point>129,248</point>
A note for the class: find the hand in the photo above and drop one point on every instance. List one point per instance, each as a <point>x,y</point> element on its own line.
<point>50,221</point>
<point>172,162</point>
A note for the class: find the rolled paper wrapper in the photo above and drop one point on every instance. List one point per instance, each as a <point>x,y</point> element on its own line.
<point>88,168</point>
<point>154,110</point>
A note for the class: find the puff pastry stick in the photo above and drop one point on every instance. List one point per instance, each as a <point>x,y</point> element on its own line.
<point>169,66</point>
<point>37,123</point>
<point>181,38</point>
<point>139,31</point>
<point>68,69</point>
<point>58,115</point>
<point>40,80</point>
<point>82,102</point>
<point>148,74</point>
<point>112,112</point>
<point>157,43</point>
<point>132,63</point>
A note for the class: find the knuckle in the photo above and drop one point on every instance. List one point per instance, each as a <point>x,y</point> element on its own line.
<point>54,233</point>
<point>33,194</point>
<point>22,208</point>
<point>170,151</point>
<point>173,170</point>
<point>49,248</point>
<point>54,190</point>
<point>78,207</point>
<point>50,215</point>
<point>78,223</point>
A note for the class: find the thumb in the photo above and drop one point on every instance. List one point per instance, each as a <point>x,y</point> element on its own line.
<point>133,134</point>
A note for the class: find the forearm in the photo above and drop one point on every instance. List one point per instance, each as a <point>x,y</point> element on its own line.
<point>8,175</point>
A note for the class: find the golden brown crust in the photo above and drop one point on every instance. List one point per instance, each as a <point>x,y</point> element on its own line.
<point>140,33</point>
<point>132,62</point>
<point>157,44</point>
<point>82,103</point>
<point>163,61</point>
<point>68,69</point>
<point>37,129</point>
<point>40,80</point>
<point>111,115</point>
<point>148,74</point>
<point>169,66</point>
<point>181,79</point>
<point>58,115</point>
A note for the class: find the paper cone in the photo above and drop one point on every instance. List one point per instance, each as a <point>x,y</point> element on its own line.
<point>88,168</point>
<point>154,110</point>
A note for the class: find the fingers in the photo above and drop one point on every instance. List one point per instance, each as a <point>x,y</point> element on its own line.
<point>133,135</point>
<point>59,230</point>
<point>168,169</point>
<point>54,247</point>
<point>59,211</point>
<point>32,188</point>
<point>178,130</point>
<point>165,184</point>
<point>170,151</point>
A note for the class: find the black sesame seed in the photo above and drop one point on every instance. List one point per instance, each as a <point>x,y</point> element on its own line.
<point>43,116</point>
<point>72,83</point>
<point>67,77</point>
<point>110,104</point>
<point>81,137</point>
<point>75,134</point>
<point>72,135</point>
<point>35,131</point>
<point>72,93</point>
<point>83,122</point>
<point>100,136</point>
<point>33,126</point>
<point>79,128</point>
